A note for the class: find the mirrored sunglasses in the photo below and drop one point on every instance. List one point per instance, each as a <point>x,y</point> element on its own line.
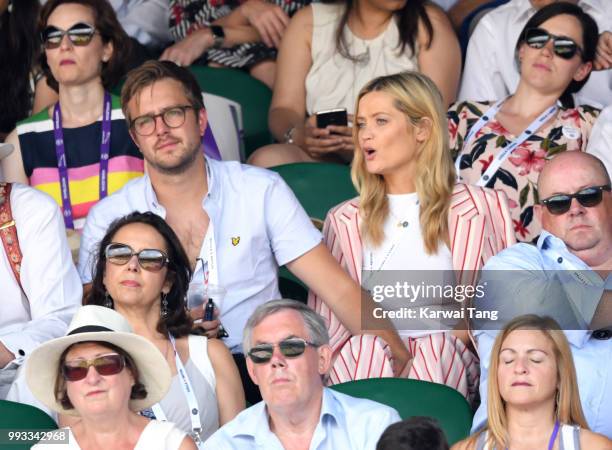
<point>105,365</point>
<point>290,348</point>
<point>587,197</point>
<point>80,34</point>
<point>563,46</point>
<point>149,259</point>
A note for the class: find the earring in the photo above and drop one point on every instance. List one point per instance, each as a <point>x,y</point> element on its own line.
<point>163,312</point>
<point>108,301</point>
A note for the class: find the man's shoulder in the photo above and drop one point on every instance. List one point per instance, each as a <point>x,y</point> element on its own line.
<point>501,14</point>
<point>362,409</point>
<point>517,256</point>
<point>130,197</point>
<point>243,175</point>
<point>26,200</point>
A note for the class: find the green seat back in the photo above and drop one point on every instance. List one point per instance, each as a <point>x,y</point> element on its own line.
<point>253,96</point>
<point>18,416</point>
<point>417,398</point>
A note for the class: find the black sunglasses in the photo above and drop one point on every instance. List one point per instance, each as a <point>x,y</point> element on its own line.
<point>106,365</point>
<point>587,197</point>
<point>149,259</point>
<point>563,46</point>
<point>80,34</point>
<point>290,348</point>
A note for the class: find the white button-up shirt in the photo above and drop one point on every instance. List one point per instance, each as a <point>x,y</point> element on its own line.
<point>147,21</point>
<point>530,292</point>
<point>490,71</point>
<point>345,423</point>
<point>52,289</point>
<point>258,223</point>
<point>600,141</point>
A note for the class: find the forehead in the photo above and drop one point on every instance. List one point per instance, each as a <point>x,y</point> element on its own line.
<point>87,350</point>
<point>375,102</point>
<point>67,14</point>
<point>140,236</point>
<point>156,97</point>
<point>280,325</point>
<point>564,25</point>
<point>523,339</point>
<point>569,176</point>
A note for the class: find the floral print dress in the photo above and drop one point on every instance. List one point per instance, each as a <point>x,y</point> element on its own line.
<point>518,174</point>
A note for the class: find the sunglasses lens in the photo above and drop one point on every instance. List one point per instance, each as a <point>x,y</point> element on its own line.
<point>565,48</point>
<point>81,34</point>
<point>292,347</point>
<point>52,37</point>
<point>589,197</point>
<point>109,364</point>
<point>559,204</point>
<point>261,353</point>
<point>536,37</point>
<point>118,254</point>
<point>75,372</point>
<point>152,260</point>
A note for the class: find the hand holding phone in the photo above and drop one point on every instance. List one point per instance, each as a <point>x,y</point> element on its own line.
<point>332,117</point>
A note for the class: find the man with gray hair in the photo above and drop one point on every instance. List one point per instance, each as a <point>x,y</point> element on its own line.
<point>288,358</point>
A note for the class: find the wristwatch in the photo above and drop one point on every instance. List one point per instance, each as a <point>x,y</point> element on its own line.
<point>288,136</point>
<point>218,36</point>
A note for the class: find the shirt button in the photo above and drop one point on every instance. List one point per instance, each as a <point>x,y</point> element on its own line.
<point>21,352</point>
<point>559,260</point>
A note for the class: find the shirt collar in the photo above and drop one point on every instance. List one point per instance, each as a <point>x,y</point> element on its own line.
<point>524,10</point>
<point>548,240</point>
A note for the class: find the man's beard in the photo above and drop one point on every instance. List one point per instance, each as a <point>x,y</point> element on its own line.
<point>179,167</point>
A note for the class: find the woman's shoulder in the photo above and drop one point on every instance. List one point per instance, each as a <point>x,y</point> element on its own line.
<point>32,123</point>
<point>468,109</point>
<point>590,439</point>
<point>158,434</point>
<point>346,208</point>
<point>579,115</point>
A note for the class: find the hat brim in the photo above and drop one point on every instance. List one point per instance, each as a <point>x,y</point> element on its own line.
<point>42,367</point>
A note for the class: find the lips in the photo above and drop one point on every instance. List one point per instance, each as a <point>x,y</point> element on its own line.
<point>165,144</point>
<point>521,383</point>
<point>65,62</point>
<point>130,283</point>
<point>541,66</point>
<point>94,393</point>
<point>369,153</point>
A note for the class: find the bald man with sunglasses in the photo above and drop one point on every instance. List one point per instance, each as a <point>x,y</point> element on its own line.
<point>567,275</point>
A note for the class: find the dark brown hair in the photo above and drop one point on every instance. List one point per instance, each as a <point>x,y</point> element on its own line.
<point>61,395</point>
<point>106,23</point>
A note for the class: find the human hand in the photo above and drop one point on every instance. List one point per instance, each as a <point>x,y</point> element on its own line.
<point>603,56</point>
<point>210,327</point>
<point>317,142</point>
<point>402,362</point>
<point>269,20</point>
<point>186,51</point>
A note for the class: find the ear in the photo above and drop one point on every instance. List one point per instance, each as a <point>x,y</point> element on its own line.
<point>583,71</point>
<point>250,367</point>
<point>202,121</point>
<point>107,51</point>
<point>325,357</point>
<point>168,282</point>
<point>422,130</point>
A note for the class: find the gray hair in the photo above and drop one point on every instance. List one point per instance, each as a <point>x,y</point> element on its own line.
<point>315,325</point>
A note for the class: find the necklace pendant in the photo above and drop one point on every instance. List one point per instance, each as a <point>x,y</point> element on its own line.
<point>402,224</point>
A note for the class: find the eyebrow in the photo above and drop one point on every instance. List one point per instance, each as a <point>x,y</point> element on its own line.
<point>531,350</point>
<point>291,336</point>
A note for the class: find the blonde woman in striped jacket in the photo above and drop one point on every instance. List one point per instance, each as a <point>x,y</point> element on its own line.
<point>410,215</point>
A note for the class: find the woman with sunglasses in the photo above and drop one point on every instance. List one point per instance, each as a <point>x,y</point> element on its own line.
<point>505,144</point>
<point>143,272</point>
<point>533,397</point>
<point>102,374</point>
<point>79,149</point>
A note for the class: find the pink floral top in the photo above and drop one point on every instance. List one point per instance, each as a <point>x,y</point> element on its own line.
<point>518,174</point>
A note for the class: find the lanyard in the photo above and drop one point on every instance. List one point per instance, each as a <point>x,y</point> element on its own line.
<point>60,153</point>
<point>196,425</point>
<point>508,149</point>
<point>211,272</point>
<point>553,436</point>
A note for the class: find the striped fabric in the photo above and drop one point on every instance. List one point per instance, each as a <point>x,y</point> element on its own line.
<point>480,227</point>
<point>37,143</point>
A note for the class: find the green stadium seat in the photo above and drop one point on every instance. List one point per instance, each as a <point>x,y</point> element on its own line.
<point>20,417</point>
<point>417,398</point>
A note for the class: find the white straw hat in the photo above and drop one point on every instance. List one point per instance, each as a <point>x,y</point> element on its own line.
<point>97,323</point>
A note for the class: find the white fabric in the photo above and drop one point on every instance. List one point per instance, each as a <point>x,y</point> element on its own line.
<point>490,71</point>
<point>225,119</point>
<point>51,283</point>
<point>147,21</point>
<point>202,377</point>
<point>600,141</point>
<point>156,436</point>
<point>445,4</point>
<point>244,202</point>
<point>334,81</point>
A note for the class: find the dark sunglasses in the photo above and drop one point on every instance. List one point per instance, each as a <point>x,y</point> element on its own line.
<point>149,259</point>
<point>290,348</point>
<point>80,34</point>
<point>105,365</point>
<point>587,197</point>
<point>563,46</point>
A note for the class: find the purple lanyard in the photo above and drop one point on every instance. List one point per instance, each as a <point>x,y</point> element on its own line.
<point>553,436</point>
<point>60,152</point>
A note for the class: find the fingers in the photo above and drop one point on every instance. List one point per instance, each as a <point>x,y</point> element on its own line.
<point>197,313</point>
<point>271,25</point>
<point>338,129</point>
<point>211,328</point>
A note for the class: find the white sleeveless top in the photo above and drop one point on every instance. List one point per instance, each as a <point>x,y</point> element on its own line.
<point>156,436</point>
<point>334,81</point>
<point>569,438</point>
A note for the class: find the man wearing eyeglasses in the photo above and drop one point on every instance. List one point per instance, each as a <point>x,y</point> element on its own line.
<point>567,276</point>
<point>289,357</point>
<point>241,222</point>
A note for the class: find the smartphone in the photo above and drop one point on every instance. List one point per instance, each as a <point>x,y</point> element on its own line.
<point>332,117</point>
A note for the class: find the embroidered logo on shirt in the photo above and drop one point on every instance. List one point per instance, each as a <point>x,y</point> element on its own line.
<point>235,241</point>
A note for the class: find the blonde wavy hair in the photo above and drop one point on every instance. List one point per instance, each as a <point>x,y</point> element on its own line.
<point>416,96</point>
<point>568,409</point>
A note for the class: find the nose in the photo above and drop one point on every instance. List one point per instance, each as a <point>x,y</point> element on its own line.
<point>93,377</point>
<point>549,48</point>
<point>160,126</point>
<point>132,264</point>
<point>576,209</point>
<point>520,367</point>
<point>66,43</point>
<point>278,359</point>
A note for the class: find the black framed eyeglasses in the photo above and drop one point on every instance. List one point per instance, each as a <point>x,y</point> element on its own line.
<point>173,117</point>
<point>290,348</point>
<point>563,46</point>
<point>587,197</point>
<point>149,259</point>
<point>80,34</point>
<point>105,365</point>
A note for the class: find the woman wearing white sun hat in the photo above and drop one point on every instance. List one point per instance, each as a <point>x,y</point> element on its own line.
<point>129,374</point>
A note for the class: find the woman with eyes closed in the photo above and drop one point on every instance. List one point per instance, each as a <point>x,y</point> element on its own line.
<point>503,144</point>
<point>102,374</point>
<point>412,218</point>
<point>533,395</point>
<point>80,143</point>
<point>143,273</point>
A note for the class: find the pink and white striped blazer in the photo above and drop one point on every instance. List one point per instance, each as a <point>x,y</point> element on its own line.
<point>480,227</point>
